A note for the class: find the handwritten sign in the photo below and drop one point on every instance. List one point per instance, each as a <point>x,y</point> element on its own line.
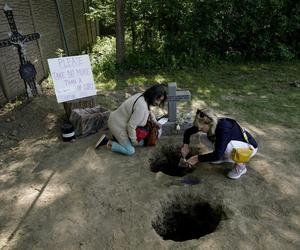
<point>72,77</point>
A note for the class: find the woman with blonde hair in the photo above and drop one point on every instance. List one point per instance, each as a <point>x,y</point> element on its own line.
<point>226,134</point>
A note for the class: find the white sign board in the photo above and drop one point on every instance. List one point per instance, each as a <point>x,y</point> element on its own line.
<point>72,77</point>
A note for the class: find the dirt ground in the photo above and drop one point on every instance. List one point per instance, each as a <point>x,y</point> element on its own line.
<point>58,195</point>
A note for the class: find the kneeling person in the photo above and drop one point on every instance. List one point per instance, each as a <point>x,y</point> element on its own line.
<point>131,114</point>
<point>226,134</point>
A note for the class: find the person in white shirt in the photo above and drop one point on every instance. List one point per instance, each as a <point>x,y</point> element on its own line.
<point>132,113</point>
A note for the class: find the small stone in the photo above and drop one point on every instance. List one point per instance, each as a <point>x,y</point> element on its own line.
<point>8,120</point>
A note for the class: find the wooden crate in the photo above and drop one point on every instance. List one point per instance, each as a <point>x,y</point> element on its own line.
<point>89,120</point>
<point>88,102</point>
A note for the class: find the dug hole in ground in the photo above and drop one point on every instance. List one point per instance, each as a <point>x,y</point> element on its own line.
<point>58,195</point>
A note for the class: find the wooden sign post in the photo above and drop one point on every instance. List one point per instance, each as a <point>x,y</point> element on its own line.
<point>73,81</point>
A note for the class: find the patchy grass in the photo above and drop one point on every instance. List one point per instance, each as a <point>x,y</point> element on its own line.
<point>259,95</point>
<point>256,93</point>
<point>11,105</point>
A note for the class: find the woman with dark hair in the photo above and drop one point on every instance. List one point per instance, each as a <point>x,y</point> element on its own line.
<point>133,112</point>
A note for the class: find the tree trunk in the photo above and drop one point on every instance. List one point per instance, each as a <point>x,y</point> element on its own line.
<point>120,36</point>
<point>132,26</point>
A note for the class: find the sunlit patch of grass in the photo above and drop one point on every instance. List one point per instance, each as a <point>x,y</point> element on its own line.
<point>108,85</point>
<point>256,93</point>
<point>137,80</point>
<point>48,83</point>
<point>10,106</point>
<point>203,91</point>
<point>160,78</point>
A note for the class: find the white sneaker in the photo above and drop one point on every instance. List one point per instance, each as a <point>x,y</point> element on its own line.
<point>223,160</point>
<point>237,171</point>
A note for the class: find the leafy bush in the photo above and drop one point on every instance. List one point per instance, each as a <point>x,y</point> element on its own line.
<point>181,31</point>
<point>103,56</point>
<point>178,33</point>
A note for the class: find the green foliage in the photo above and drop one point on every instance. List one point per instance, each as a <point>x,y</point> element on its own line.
<point>11,105</point>
<point>102,10</point>
<point>60,52</point>
<point>253,92</point>
<point>48,82</point>
<point>178,33</point>
<point>103,56</point>
<point>181,32</point>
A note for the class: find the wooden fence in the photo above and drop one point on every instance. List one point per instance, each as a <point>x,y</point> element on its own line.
<point>62,25</point>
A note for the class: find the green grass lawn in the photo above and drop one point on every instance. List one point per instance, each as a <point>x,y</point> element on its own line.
<point>257,93</point>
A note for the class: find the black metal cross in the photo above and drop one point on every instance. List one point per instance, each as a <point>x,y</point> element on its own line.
<point>26,70</point>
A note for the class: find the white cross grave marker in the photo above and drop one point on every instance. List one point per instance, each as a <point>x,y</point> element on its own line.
<point>173,97</point>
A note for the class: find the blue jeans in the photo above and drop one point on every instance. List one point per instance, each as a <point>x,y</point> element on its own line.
<point>125,148</point>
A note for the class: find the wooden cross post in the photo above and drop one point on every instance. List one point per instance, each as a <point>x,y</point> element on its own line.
<point>173,97</point>
<point>26,70</point>
<point>169,128</point>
